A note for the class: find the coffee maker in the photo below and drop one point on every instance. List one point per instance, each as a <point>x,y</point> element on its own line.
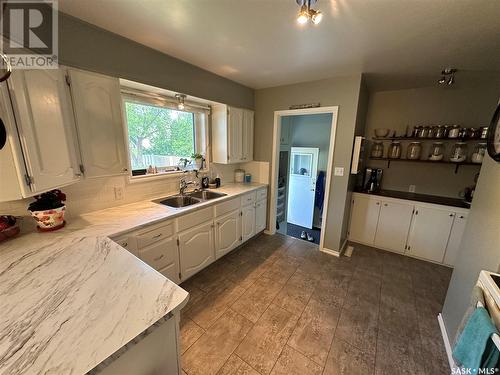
<point>372,180</point>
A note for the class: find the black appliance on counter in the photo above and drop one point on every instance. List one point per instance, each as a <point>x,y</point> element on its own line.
<point>372,180</point>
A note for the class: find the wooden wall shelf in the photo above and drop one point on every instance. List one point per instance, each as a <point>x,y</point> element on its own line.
<point>457,165</point>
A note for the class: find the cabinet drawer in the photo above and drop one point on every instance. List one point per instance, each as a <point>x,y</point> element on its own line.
<point>128,242</point>
<point>154,233</point>
<point>228,206</point>
<point>261,194</point>
<point>160,254</point>
<point>195,218</point>
<point>248,198</point>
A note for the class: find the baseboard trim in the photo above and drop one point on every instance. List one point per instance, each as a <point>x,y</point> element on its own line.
<point>329,251</point>
<point>446,342</point>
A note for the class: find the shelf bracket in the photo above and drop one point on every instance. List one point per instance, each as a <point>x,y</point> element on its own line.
<point>456,168</point>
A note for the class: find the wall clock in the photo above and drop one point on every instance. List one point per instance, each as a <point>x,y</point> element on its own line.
<point>494,136</point>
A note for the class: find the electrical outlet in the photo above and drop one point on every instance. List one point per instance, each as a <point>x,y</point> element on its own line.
<point>339,171</point>
<point>411,188</point>
<point>118,193</point>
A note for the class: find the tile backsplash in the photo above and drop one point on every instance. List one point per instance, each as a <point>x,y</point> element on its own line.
<point>98,193</point>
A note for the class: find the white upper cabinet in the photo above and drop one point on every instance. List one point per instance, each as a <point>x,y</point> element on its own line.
<point>44,117</point>
<point>97,103</point>
<point>232,134</point>
<point>364,219</point>
<point>429,233</point>
<point>393,223</point>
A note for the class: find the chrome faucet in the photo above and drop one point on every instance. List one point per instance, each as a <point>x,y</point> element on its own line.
<point>183,185</point>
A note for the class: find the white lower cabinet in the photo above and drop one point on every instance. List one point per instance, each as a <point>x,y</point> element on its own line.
<point>457,232</point>
<point>227,233</point>
<point>423,230</point>
<point>163,256</point>
<point>393,223</point>
<point>429,233</point>
<point>196,249</point>
<point>364,219</point>
<point>247,222</point>
<point>260,215</point>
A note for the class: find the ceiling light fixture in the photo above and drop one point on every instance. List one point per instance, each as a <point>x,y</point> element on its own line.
<point>447,76</point>
<point>307,13</point>
<point>180,98</point>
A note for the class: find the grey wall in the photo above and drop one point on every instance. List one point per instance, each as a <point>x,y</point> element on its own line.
<point>469,104</point>
<point>480,248</point>
<point>312,131</point>
<point>88,47</point>
<point>340,91</point>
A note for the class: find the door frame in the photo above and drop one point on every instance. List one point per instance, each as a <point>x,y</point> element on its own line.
<point>333,110</point>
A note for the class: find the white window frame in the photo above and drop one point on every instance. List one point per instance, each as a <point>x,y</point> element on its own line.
<point>201,137</point>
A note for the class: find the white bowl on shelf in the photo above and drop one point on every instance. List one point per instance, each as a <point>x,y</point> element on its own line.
<point>381,133</point>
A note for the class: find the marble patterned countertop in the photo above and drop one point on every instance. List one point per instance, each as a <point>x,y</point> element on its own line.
<point>71,298</point>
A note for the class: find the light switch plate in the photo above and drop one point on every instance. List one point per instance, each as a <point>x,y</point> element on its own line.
<point>339,171</point>
<point>411,188</point>
<point>118,193</point>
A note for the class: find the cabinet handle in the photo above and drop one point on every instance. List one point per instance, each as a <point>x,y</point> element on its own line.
<point>158,258</point>
<point>461,217</point>
<point>125,244</point>
<point>158,235</point>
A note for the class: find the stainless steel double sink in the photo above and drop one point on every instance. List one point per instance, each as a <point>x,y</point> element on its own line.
<point>188,199</point>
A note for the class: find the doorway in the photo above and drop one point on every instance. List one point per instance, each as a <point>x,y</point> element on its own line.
<point>303,147</point>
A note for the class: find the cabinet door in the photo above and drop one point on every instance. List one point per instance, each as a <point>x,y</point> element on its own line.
<point>247,222</point>
<point>235,134</point>
<point>429,233</point>
<point>393,226</point>
<point>247,135</point>
<point>364,219</point>
<point>260,215</point>
<point>42,106</point>
<point>196,249</point>
<point>227,233</point>
<point>97,102</point>
<point>457,231</point>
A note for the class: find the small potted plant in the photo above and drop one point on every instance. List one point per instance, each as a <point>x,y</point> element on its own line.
<point>198,160</point>
<point>48,210</point>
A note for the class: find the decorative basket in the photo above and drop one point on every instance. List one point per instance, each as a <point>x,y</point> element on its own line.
<point>9,233</point>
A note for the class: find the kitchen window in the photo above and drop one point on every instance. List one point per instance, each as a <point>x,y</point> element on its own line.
<point>160,137</point>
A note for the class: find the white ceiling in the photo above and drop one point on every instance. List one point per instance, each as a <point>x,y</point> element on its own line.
<point>259,44</point>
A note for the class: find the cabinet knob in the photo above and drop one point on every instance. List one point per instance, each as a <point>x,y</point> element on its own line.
<point>125,169</point>
<point>158,258</point>
<point>461,217</point>
<point>451,215</point>
<point>385,204</point>
<point>378,203</point>
<point>125,244</point>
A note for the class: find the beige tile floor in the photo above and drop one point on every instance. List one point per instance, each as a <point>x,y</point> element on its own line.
<point>279,306</point>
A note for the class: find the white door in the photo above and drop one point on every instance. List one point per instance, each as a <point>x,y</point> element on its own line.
<point>457,232</point>
<point>364,219</point>
<point>247,222</point>
<point>196,249</point>
<point>429,233</point>
<point>393,225</point>
<point>227,233</point>
<point>97,102</point>
<point>248,120</point>
<point>42,106</point>
<point>260,215</point>
<point>163,256</point>
<point>235,134</point>
<point>302,185</point>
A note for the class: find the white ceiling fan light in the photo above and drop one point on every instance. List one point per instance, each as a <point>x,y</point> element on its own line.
<point>306,13</point>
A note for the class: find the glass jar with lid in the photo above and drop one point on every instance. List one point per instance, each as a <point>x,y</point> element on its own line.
<point>377,150</point>
<point>459,152</point>
<point>478,153</point>
<point>414,150</point>
<point>436,151</point>
<point>394,150</point>
<point>453,131</point>
<point>440,131</point>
